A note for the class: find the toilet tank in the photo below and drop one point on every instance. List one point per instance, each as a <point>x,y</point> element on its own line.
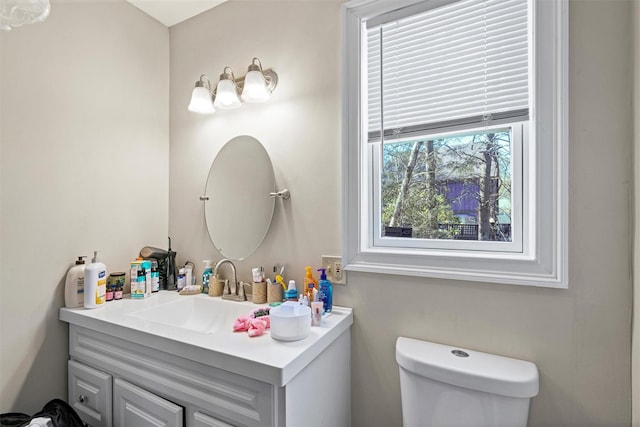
<point>443,385</point>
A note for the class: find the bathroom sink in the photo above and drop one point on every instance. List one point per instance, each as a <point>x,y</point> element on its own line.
<point>198,313</point>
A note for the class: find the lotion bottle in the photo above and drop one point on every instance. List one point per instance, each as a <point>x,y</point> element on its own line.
<point>95,283</point>
<point>74,285</point>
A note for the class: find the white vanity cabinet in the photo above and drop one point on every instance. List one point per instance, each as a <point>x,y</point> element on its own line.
<point>102,401</point>
<point>125,374</point>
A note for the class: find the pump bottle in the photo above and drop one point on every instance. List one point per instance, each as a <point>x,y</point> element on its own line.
<point>326,291</point>
<point>74,285</point>
<point>95,283</point>
<point>206,275</point>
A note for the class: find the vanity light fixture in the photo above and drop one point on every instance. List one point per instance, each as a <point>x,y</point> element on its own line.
<point>255,87</point>
<point>226,96</point>
<point>201,101</point>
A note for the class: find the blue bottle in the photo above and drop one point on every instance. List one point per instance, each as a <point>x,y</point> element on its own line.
<point>326,291</point>
<point>206,276</point>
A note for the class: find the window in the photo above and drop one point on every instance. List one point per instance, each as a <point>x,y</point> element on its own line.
<point>454,139</point>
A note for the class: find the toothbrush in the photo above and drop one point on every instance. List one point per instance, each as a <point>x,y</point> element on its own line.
<point>279,280</point>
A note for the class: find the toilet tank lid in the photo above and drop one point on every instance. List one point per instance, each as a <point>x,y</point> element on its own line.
<point>477,371</point>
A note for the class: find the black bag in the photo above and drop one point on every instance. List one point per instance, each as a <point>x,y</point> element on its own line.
<point>60,413</point>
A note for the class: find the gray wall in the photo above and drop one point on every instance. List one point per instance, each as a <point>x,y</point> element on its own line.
<point>84,159</point>
<point>579,338</point>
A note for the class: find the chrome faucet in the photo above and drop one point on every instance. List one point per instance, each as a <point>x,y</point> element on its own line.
<point>235,292</point>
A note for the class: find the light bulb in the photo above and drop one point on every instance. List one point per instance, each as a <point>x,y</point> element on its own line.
<point>226,95</point>
<point>201,101</point>
<point>255,88</point>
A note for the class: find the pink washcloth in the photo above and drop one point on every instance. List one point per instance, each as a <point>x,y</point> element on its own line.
<point>254,326</point>
<point>257,326</point>
<point>242,324</point>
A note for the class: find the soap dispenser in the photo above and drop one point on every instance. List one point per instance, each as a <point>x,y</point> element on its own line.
<point>326,291</point>
<point>74,285</point>
<point>95,283</point>
<point>206,275</point>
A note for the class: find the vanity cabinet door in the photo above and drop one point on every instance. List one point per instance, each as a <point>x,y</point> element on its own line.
<point>204,420</point>
<point>133,406</point>
<point>90,394</point>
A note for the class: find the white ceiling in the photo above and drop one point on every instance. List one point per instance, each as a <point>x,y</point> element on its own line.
<point>171,12</point>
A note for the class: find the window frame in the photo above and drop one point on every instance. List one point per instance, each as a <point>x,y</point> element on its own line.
<point>426,246</point>
<point>544,255</point>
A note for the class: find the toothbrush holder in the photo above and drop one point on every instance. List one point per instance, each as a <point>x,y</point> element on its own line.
<point>274,293</point>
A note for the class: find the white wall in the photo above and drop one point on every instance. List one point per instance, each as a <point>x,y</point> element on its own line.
<point>84,159</point>
<point>579,338</point>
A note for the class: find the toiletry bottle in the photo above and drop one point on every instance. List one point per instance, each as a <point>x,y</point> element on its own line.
<point>182,279</point>
<point>310,283</point>
<point>291,294</point>
<point>155,277</point>
<point>326,291</point>
<point>188,268</point>
<point>74,285</point>
<point>206,276</point>
<point>146,265</point>
<point>95,283</point>
<point>141,281</point>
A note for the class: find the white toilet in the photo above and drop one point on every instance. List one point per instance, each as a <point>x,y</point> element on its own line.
<point>446,386</point>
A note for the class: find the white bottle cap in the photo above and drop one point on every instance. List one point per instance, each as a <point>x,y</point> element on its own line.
<point>292,285</point>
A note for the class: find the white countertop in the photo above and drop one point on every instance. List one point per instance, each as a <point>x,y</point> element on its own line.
<point>262,358</point>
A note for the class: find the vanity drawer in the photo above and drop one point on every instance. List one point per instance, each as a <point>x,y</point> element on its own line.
<point>134,406</point>
<point>90,394</point>
<point>201,419</point>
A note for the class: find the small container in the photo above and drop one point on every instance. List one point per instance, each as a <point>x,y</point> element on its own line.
<point>182,279</point>
<point>115,279</point>
<point>216,286</point>
<point>290,321</point>
<point>274,292</point>
<point>316,313</point>
<point>119,292</point>
<point>291,294</point>
<point>259,292</point>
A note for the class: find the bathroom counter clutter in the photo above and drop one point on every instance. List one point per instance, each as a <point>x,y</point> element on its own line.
<point>200,328</point>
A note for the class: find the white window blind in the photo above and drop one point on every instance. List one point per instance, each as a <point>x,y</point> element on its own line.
<point>460,64</point>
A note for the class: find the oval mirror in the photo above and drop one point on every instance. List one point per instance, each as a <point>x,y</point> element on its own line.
<point>239,209</point>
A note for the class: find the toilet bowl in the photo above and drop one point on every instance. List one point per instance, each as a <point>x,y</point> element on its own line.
<point>442,385</point>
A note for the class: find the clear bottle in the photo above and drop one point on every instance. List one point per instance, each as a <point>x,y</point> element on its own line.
<point>74,285</point>
<point>326,291</point>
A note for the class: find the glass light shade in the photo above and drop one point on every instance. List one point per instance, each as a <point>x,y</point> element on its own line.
<point>201,101</point>
<point>255,88</point>
<point>226,95</point>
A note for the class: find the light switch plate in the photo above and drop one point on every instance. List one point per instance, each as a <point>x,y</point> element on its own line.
<point>335,273</point>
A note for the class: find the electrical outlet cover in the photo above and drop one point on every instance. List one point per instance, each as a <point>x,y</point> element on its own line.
<point>333,265</point>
